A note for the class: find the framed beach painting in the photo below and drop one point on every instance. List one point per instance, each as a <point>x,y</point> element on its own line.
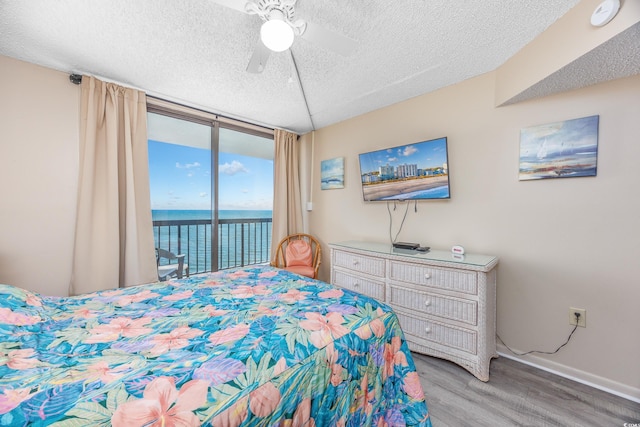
<point>559,150</point>
<point>332,173</point>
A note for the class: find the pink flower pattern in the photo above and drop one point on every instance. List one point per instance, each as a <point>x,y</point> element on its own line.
<point>268,274</point>
<point>213,312</point>
<point>18,319</point>
<point>10,399</point>
<point>20,359</point>
<point>325,328</point>
<point>176,339</point>
<point>120,326</point>
<point>412,386</point>
<point>105,373</point>
<point>85,313</point>
<point>333,293</point>
<point>233,333</point>
<point>163,405</point>
<point>178,296</point>
<point>34,300</point>
<point>232,416</point>
<point>139,297</point>
<point>364,398</point>
<point>264,400</point>
<point>227,349</point>
<point>250,291</point>
<point>393,356</point>
<point>293,295</point>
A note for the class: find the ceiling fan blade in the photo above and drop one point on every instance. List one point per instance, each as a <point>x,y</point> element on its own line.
<point>239,5</point>
<point>328,39</point>
<point>259,58</point>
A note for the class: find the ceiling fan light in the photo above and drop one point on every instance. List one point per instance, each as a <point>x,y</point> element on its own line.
<point>276,35</point>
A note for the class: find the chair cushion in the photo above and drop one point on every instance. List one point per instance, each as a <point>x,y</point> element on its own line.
<point>298,252</point>
<point>303,270</point>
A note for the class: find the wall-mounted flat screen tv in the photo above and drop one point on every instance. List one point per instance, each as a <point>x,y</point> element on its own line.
<point>416,171</point>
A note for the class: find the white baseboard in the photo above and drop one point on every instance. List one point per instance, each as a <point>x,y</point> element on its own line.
<point>595,381</point>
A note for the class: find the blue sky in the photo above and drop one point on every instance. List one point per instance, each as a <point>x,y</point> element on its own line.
<point>180,178</point>
<point>426,154</point>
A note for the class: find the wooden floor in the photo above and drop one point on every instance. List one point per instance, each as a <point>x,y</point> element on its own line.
<point>516,395</point>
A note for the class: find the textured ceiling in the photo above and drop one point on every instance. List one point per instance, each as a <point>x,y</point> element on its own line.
<point>196,51</point>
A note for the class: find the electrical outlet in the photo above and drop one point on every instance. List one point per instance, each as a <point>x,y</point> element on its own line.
<point>582,321</point>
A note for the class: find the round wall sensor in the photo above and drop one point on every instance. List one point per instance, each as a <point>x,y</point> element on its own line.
<point>605,12</point>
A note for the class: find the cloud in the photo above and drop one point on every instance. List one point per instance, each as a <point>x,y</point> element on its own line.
<point>245,191</point>
<point>187,165</point>
<point>232,168</point>
<point>392,159</point>
<point>204,194</point>
<point>409,150</point>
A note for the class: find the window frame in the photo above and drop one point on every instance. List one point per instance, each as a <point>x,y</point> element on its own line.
<point>182,112</point>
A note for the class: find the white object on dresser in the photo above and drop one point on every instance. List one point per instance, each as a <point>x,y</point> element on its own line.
<point>446,304</point>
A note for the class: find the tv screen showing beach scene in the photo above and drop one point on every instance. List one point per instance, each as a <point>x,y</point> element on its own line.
<point>416,171</point>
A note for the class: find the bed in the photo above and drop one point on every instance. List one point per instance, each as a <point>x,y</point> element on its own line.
<point>254,346</point>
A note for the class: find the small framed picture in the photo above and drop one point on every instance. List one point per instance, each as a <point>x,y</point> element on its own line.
<point>332,173</point>
<point>559,150</point>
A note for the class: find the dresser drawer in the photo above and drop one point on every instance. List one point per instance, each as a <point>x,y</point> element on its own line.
<point>437,305</point>
<point>442,278</point>
<point>370,265</point>
<point>450,336</point>
<point>355,283</point>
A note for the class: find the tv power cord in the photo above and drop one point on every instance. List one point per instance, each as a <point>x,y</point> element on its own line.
<point>393,240</point>
<point>540,351</point>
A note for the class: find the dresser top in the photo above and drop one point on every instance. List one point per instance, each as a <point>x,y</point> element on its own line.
<point>485,262</point>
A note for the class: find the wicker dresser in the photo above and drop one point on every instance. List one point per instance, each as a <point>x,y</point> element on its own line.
<point>446,303</point>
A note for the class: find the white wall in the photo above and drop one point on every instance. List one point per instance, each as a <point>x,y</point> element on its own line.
<point>571,242</point>
<point>38,170</point>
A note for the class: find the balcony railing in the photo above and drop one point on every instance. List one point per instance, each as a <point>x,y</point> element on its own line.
<point>241,242</point>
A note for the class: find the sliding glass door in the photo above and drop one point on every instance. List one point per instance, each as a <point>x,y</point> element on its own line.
<point>245,198</point>
<point>211,191</point>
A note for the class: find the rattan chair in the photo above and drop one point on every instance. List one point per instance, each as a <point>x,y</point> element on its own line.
<point>310,268</point>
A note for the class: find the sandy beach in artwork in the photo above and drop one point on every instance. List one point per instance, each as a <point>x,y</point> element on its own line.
<point>385,189</point>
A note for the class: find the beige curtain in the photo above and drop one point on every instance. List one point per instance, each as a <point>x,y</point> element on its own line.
<point>287,211</point>
<point>114,244</point>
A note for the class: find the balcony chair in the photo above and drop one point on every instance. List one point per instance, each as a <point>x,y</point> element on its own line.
<point>299,253</point>
<point>176,269</point>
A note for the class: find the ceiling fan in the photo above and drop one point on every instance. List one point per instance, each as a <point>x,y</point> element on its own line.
<point>280,27</point>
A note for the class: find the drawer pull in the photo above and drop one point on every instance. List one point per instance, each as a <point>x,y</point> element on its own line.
<point>427,276</point>
<point>427,330</point>
<point>427,303</point>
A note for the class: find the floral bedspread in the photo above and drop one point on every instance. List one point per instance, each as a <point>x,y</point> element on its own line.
<point>246,347</point>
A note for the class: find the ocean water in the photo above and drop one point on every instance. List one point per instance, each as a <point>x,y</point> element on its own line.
<point>246,240</point>
<point>160,214</point>
<point>433,193</point>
